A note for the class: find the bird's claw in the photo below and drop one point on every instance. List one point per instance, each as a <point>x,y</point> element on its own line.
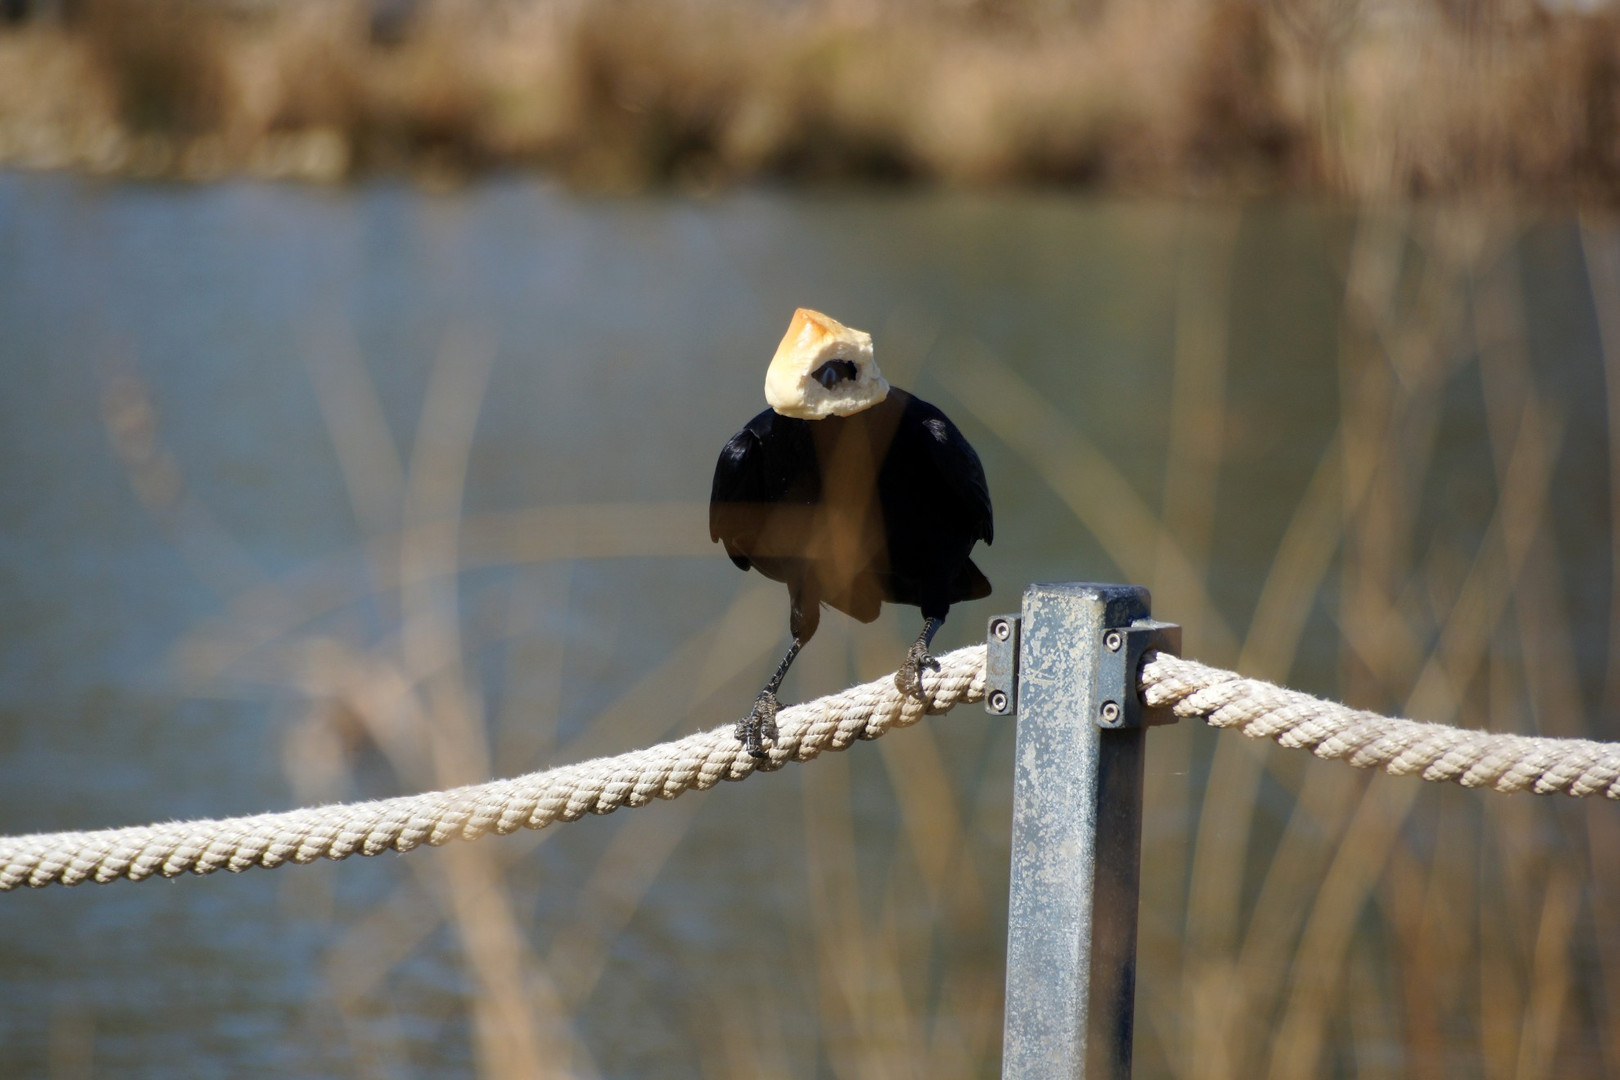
<point>759,726</point>
<point>908,680</point>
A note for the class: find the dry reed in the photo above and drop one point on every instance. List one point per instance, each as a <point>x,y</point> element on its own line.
<point>1338,97</point>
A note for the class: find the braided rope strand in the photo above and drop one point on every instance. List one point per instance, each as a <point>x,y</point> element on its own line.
<point>532,801</point>
<point>1507,763</point>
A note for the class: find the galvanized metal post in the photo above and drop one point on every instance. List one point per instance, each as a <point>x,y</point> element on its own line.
<point>1068,666</point>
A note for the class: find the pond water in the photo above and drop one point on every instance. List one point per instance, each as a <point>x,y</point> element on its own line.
<point>220,404</point>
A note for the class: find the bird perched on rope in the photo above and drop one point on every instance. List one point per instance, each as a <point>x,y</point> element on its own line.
<point>851,492</point>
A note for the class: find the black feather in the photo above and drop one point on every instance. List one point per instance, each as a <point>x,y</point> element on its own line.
<point>884,505</point>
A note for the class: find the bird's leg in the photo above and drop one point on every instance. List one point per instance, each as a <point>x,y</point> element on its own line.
<point>759,726</point>
<point>908,680</point>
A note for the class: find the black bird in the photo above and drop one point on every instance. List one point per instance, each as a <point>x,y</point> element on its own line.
<point>851,492</point>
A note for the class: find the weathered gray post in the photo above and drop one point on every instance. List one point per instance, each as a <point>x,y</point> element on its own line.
<point>1068,666</point>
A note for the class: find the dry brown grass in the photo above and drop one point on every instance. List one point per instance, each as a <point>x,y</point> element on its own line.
<point>1340,97</point>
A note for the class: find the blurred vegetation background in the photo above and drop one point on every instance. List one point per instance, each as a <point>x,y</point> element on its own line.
<point>1304,313</point>
<point>1359,98</point>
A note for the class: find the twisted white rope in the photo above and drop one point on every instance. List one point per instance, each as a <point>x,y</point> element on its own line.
<point>1577,767</point>
<point>1192,690</point>
<point>532,801</point>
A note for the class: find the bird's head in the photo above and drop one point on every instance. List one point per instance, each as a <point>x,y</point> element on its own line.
<point>823,368</point>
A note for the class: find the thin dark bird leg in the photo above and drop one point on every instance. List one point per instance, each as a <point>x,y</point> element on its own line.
<point>908,680</point>
<point>759,726</point>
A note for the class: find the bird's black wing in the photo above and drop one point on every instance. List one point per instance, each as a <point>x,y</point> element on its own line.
<point>742,479</point>
<point>958,466</point>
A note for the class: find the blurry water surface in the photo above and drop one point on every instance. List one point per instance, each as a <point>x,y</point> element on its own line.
<point>218,404</point>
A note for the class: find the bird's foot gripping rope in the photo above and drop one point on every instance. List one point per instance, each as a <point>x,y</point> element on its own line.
<point>533,801</point>
<point>908,680</point>
<point>758,729</point>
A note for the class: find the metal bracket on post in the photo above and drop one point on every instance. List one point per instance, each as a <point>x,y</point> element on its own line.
<point>1001,666</point>
<point>1123,648</point>
<point>1068,665</point>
